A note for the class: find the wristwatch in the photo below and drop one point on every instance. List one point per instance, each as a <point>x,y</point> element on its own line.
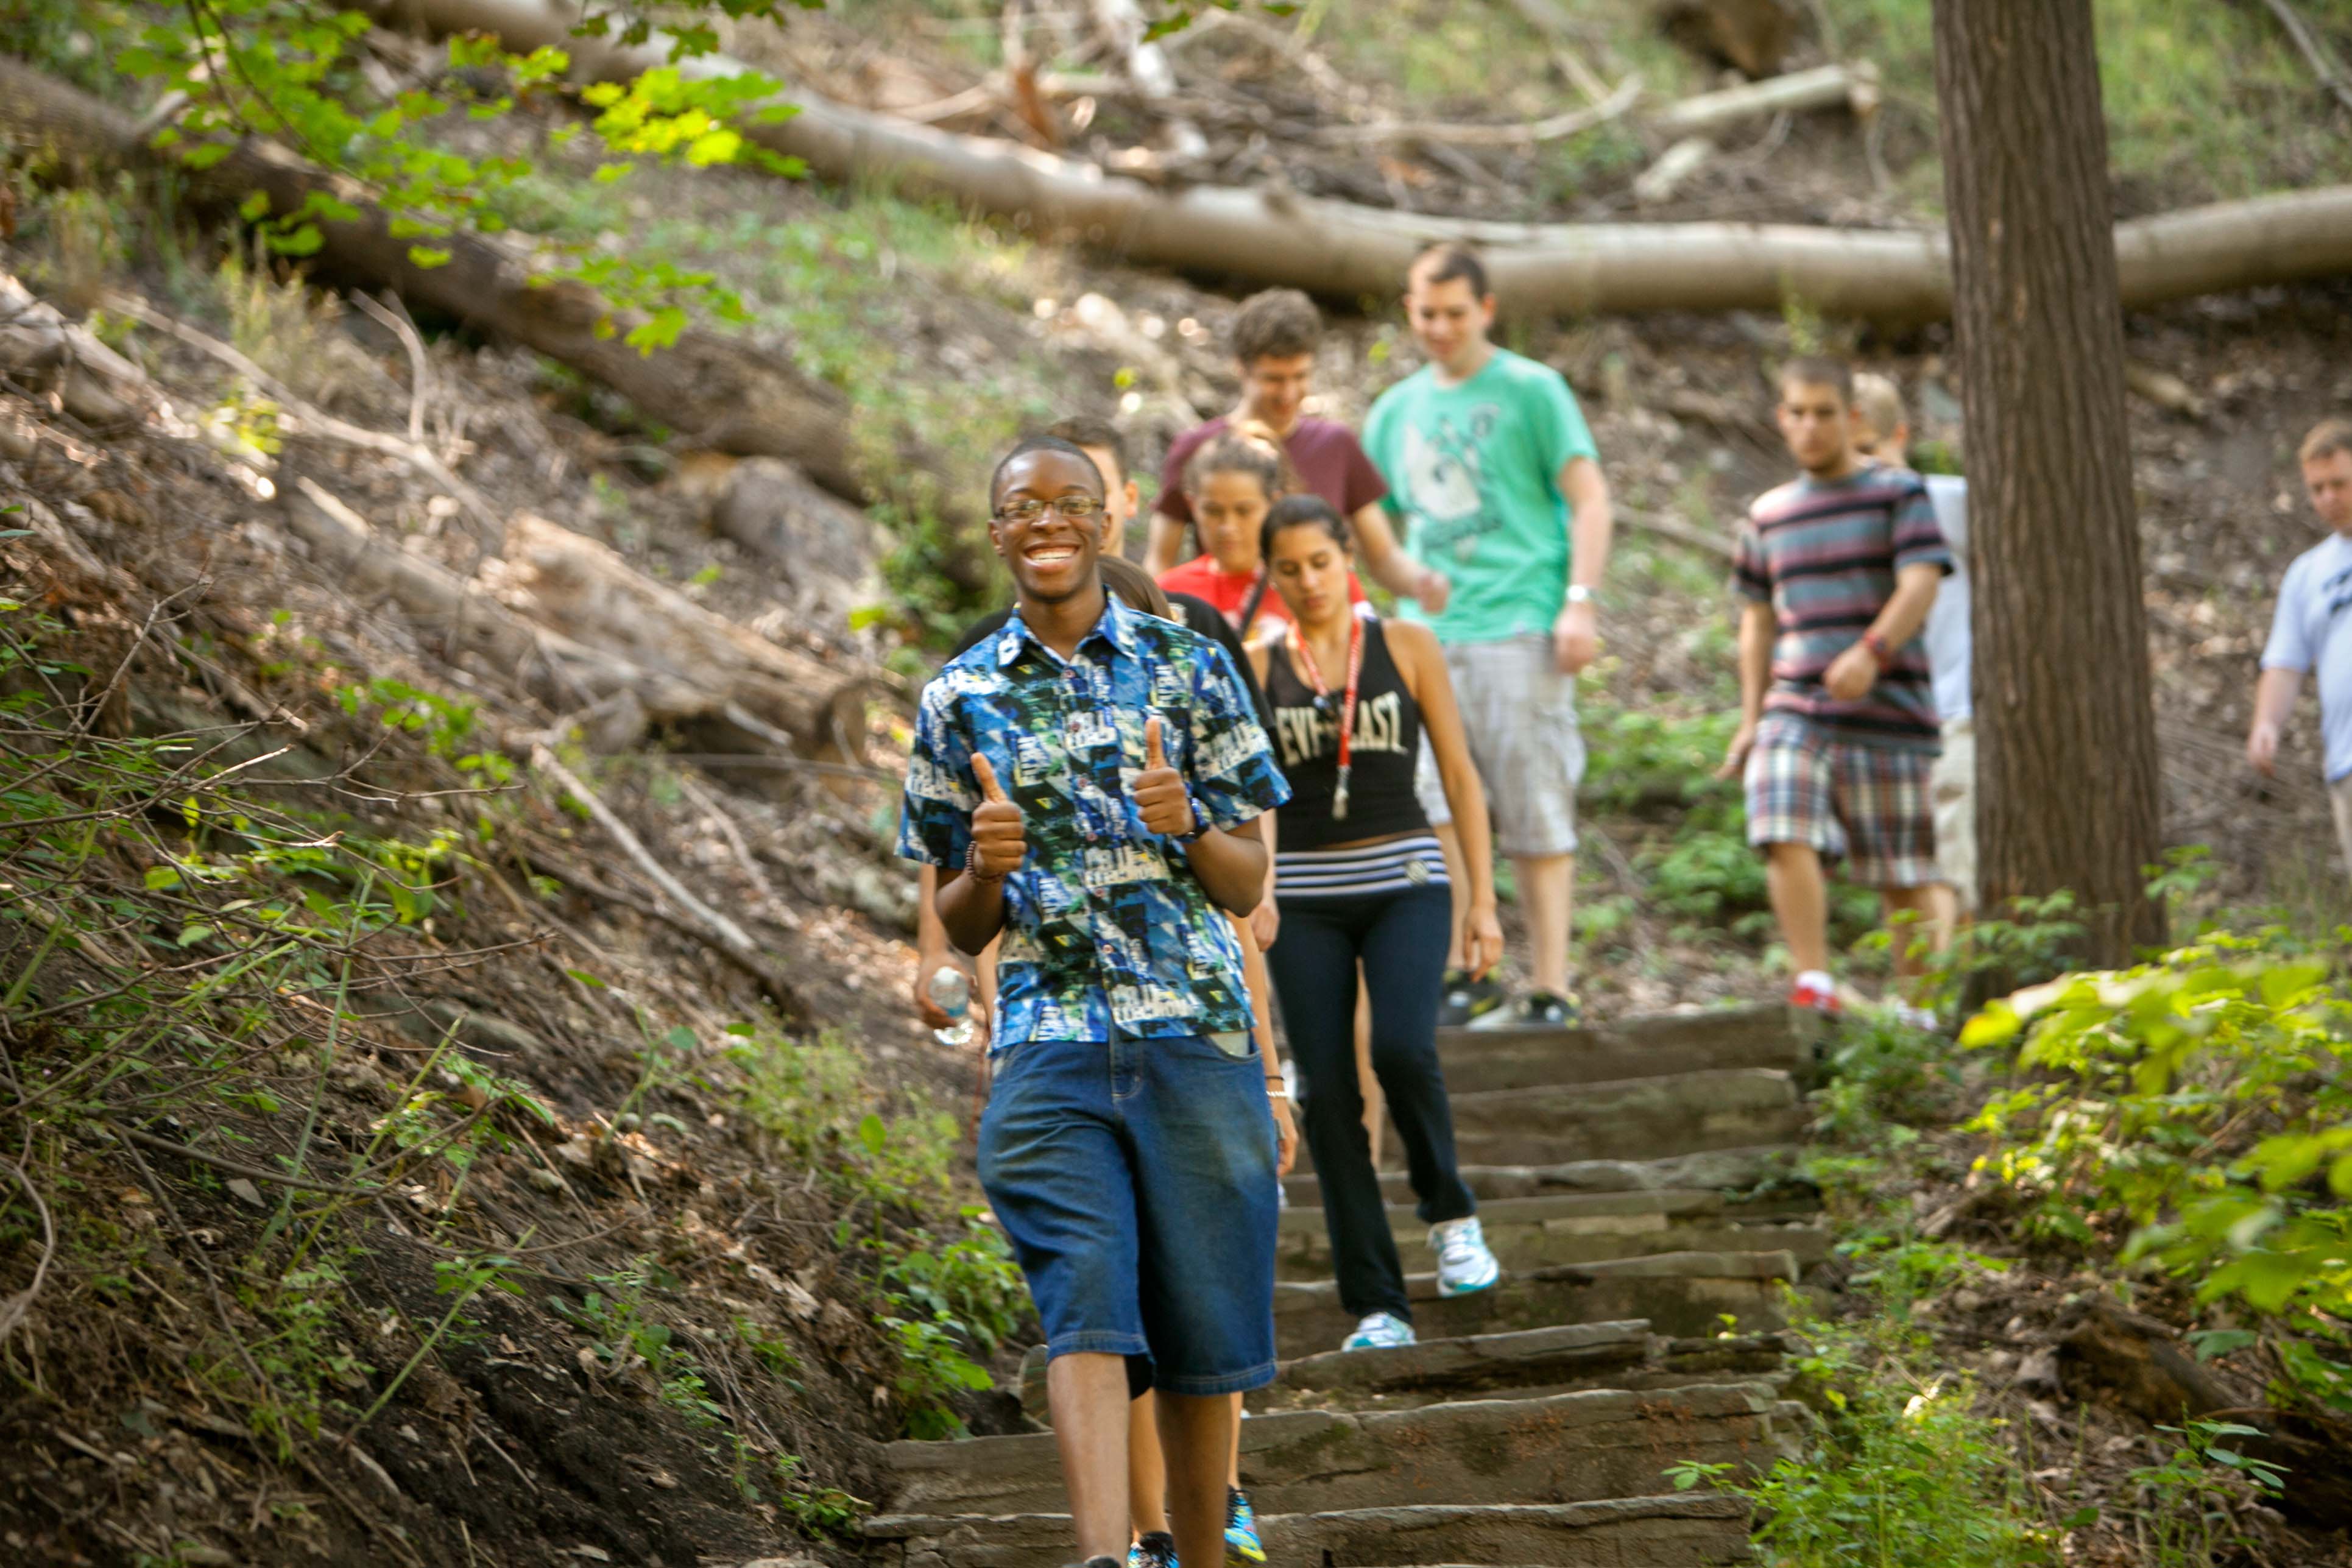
<point>1577,594</point>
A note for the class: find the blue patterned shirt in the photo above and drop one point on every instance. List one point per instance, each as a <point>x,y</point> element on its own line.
<point>1106,926</point>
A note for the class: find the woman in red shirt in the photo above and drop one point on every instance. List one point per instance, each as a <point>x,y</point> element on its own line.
<point>1231,483</point>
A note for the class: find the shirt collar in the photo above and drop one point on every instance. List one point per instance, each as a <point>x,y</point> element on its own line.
<point>1115,627</point>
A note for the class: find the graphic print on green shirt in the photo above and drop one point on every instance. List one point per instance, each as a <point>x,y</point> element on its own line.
<point>1473,470</point>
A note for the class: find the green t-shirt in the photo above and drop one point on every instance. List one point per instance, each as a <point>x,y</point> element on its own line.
<point>1473,472</point>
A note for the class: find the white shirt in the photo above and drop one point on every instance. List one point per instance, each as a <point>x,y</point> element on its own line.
<point>2313,630</point>
<point>1950,651</point>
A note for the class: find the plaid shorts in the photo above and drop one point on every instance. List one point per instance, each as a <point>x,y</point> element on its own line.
<point>1870,805</point>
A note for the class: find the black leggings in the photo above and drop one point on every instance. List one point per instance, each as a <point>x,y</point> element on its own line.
<point>1401,939</point>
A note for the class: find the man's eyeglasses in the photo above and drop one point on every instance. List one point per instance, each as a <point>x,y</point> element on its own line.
<point>1074,509</point>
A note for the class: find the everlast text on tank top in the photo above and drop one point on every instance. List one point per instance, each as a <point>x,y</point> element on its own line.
<point>1384,749</point>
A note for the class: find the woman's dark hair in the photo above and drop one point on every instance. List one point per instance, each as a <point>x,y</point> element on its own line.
<point>1304,510</point>
<point>1029,443</point>
<point>1134,584</point>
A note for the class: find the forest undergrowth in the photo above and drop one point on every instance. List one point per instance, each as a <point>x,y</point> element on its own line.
<point>2092,1303</point>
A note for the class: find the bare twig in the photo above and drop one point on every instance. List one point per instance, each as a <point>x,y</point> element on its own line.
<point>1547,18</point>
<point>2324,64</point>
<point>235,1167</point>
<point>725,820</point>
<point>730,940</point>
<point>726,930</point>
<point>315,421</point>
<point>420,376</point>
<point>1559,127</point>
<point>13,1309</point>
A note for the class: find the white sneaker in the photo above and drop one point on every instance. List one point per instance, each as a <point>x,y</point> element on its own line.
<point>1465,1262</point>
<point>1380,1331</point>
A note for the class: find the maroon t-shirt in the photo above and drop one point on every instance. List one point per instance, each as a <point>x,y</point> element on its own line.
<point>1325,452</point>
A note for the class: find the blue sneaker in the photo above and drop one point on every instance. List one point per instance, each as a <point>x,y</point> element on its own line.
<point>1153,1549</point>
<point>1465,1262</point>
<point>1242,1548</point>
<point>1379,1331</point>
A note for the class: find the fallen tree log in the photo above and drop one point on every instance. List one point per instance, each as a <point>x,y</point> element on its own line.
<point>1343,251</point>
<point>748,693</point>
<point>2156,1376</point>
<point>560,617</point>
<point>1854,87</point>
<point>725,393</point>
<point>584,634</point>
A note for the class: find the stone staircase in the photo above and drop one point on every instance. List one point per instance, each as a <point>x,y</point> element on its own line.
<point>1634,1179</point>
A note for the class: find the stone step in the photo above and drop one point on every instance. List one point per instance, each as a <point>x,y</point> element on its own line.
<point>1526,1251</point>
<point>1631,1118</point>
<point>1762,1036</point>
<point>1522,1365</point>
<point>1689,1530</point>
<point>1528,1364</point>
<point>1680,1293</point>
<point>1566,1447</point>
<point>1584,1227</point>
<point>1772,1167</point>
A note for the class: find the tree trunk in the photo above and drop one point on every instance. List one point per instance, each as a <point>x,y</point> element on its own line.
<point>726,393</point>
<point>2066,764</point>
<point>1345,251</point>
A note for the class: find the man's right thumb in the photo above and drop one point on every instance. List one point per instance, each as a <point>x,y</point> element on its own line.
<point>985,772</point>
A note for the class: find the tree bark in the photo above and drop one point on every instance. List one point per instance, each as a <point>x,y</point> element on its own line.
<point>2066,762</point>
<point>1349,252</point>
<point>724,392</point>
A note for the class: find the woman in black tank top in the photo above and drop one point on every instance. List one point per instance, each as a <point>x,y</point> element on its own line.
<point>1362,883</point>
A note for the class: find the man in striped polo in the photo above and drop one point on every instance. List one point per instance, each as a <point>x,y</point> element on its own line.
<point>1837,735</point>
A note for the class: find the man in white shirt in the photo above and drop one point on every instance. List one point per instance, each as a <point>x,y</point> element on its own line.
<point>1883,431</point>
<point>2313,628</point>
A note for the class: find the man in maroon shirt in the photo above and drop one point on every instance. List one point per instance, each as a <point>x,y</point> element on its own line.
<point>1274,335</point>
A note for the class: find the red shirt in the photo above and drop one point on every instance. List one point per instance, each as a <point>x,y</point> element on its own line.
<point>1230,591</point>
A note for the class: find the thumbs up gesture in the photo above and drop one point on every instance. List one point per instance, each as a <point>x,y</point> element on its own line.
<point>1000,836</point>
<point>1159,794</point>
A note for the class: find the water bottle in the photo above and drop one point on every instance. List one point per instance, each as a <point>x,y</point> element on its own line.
<point>952,990</point>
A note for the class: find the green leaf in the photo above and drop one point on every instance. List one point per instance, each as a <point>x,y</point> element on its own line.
<point>255,208</point>
<point>428,256</point>
<point>194,934</point>
<point>873,1133</point>
<point>586,979</point>
<point>303,241</point>
<point>159,878</point>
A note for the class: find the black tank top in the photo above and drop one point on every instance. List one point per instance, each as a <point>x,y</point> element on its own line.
<point>1382,755</point>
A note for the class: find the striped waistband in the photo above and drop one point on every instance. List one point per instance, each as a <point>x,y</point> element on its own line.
<point>1395,865</point>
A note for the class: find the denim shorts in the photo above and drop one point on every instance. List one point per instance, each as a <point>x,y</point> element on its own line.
<point>1137,1181</point>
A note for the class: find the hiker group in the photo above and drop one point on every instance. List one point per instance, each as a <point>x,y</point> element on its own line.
<point>1161,806</point>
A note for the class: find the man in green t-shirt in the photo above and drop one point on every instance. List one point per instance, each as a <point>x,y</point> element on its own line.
<point>1491,468</point>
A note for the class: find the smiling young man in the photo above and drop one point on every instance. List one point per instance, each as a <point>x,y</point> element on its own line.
<point>2312,629</point>
<point>1490,462</point>
<point>1274,337</point>
<point>1087,782</point>
<point>1837,722</point>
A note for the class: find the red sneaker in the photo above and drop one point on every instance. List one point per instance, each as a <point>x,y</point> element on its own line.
<point>1822,999</point>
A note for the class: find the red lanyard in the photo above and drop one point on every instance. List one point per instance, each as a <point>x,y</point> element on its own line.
<point>1347,707</point>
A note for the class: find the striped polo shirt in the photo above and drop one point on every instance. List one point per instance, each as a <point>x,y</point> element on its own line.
<point>1824,557</point>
